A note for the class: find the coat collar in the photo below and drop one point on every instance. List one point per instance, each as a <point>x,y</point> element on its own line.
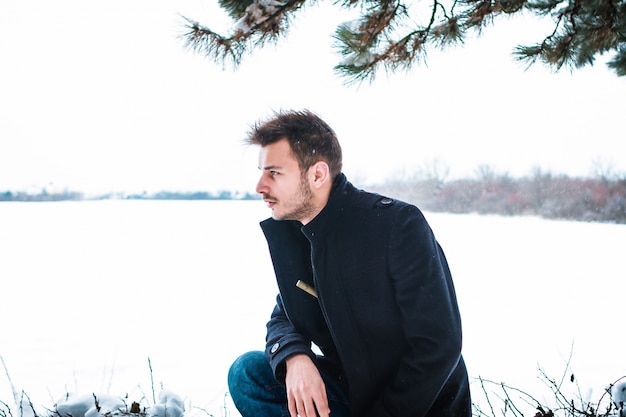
<point>326,219</point>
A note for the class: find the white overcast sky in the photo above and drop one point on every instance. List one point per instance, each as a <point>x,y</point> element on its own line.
<point>100,95</point>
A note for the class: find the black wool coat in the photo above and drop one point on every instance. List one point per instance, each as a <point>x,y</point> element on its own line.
<point>385,317</point>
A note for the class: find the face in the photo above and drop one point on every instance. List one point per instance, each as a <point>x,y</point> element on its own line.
<point>284,189</point>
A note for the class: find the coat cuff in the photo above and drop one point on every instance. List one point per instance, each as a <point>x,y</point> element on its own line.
<point>278,353</point>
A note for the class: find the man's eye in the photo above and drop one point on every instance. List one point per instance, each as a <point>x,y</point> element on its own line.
<point>273,173</point>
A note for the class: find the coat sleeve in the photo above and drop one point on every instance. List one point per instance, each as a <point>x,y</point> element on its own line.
<point>430,319</point>
<point>283,340</point>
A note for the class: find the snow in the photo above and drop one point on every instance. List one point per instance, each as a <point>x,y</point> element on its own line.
<point>169,405</point>
<point>101,405</point>
<point>256,14</point>
<point>128,299</point>
<point>89,405</point>
<point>618,394</point>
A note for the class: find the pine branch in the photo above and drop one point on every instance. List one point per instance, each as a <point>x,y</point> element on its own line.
<point>363,55</point>
<point>260,21</point>
<point>583,29</point>
<point>618,63</point>
<point>204,41</point>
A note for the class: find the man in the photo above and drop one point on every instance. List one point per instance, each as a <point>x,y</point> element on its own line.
<point>361,277</point>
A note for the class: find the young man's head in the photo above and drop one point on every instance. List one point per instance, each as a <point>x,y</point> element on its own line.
<point>310,138</point>
<point>299,159</point>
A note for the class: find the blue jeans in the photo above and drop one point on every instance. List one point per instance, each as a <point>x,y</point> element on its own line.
<point>256,392</point>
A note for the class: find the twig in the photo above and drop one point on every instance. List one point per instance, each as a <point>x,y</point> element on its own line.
<point>510,403</point>
<point>112,373</point>
<point>204,411</point>
<point>30,404</point>
<point>151,381</point>
<point>6,413</point>
<point>608,391</point>
<point>143,394</point>
<point>524,393</point>
<point>6,371</point>
<point>225,409</point>
<point>96,402</point>
<point>567,365</point>
<point>482,385</point>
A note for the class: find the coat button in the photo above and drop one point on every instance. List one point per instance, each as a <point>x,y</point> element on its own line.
<point>275,348</point>
<point>385,202</point>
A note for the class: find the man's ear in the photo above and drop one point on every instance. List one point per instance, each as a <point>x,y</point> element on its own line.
<point>320,173</point>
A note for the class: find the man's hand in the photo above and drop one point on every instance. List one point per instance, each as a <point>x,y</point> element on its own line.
<point>306,392</point>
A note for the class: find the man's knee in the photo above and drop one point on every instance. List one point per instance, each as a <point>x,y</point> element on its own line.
<point>245,369</point>
<point>253,387</point>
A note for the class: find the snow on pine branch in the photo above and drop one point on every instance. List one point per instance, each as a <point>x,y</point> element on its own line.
<point>256,14</point>
<point>260,21</point>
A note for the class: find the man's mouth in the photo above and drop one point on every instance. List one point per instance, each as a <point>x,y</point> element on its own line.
<point>269,202</point>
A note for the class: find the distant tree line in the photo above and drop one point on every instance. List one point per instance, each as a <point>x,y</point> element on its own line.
<point>41,196</point>
<point>599,199</point>
<point>161,195</point>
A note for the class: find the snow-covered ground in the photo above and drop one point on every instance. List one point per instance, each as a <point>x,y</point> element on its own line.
<point>115,297</point>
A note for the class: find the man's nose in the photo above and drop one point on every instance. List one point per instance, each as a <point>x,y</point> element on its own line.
<point>261,188</point>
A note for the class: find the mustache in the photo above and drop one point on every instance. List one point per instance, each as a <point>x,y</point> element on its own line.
<point>267,196</point>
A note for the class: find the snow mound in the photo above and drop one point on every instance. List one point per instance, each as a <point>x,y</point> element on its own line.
<point>89,405</point>
<point>169,405</point>
<point>618,395</point>
<point>103,405</point>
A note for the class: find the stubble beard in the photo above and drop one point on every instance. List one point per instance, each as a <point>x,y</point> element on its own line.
<point>300,206</point>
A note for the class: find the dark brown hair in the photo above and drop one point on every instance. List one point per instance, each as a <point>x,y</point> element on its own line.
<point>310,138</point>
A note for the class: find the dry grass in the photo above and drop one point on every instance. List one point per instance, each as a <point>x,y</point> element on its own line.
<point>500,399</point>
